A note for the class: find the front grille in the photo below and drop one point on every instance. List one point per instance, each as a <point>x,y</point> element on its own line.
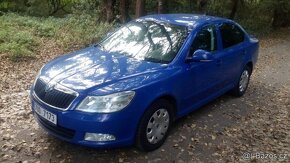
<point>58,130</point>
<point>52,97</point>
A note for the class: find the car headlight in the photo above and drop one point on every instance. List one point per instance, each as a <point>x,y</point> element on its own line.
<point>106,104</point>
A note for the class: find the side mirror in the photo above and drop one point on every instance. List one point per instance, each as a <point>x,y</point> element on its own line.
<point>201,56</point>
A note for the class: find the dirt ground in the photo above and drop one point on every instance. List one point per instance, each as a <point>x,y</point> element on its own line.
<point>226,130</point>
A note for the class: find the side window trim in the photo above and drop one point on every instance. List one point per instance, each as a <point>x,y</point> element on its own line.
<point>212,40</point>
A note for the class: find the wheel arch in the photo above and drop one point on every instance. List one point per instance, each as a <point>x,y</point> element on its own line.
<point>169,98</point>
<point>250,65</point>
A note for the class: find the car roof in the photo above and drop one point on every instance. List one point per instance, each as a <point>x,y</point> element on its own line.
<point>189,20</point>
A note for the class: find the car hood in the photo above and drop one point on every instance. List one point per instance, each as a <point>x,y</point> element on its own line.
<point>92,67</point>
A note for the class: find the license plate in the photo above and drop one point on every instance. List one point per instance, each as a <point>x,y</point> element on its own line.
<point>45,114</point>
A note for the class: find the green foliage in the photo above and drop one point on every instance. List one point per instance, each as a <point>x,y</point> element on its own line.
<point>12,5</point>
<point>182,6</point>
<point>76,23</point>
<point>20,36</point>
<point>81,30</point>
<point>16,50</point>
<point>218,9</point>
<point>280,10</point>
<point>37,7</point>
<point>15,41</point>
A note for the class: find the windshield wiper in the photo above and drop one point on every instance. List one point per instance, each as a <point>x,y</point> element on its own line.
<point>100,46</point>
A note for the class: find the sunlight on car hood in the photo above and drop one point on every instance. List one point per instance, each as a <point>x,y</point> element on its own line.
<point>92,67</point>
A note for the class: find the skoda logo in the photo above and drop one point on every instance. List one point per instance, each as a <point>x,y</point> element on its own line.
<point>48,88</point>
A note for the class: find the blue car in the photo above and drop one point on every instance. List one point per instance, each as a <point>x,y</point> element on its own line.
<point>130,87</point>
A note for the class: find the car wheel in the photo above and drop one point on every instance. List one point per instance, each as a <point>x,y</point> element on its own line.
<point>154,126</point>
<point>240,89</point>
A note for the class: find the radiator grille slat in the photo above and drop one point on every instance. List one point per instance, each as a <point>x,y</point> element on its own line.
<point>52,97</point>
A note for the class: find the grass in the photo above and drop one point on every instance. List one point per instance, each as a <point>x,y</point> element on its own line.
<point>20,36</point>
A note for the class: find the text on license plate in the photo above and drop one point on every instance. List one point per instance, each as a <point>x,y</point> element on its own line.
<point>45,114</point>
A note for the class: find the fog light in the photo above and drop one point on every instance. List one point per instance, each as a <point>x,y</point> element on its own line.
<point>99,137</point>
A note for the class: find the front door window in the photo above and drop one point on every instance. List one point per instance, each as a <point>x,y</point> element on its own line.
<point>205,40</point>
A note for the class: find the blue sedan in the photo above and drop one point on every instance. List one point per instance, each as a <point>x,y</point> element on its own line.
<point>130,87</point>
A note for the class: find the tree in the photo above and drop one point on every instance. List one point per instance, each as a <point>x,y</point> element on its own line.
<point>234,9</point>
<point>162,6</point>
<point>124,11</point>
<point>140,8</point>
<point>281,13</point>
<point>56,5</point>
<point>201,5</point>
<point>109,9</point>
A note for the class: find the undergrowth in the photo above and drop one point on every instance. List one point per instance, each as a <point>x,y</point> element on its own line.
<point>20,36</point>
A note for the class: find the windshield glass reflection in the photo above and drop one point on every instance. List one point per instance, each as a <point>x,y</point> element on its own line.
<point>146,40</point>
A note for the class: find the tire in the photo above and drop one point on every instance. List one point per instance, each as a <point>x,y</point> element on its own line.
<point>154,126</point>
<point>241,87</point>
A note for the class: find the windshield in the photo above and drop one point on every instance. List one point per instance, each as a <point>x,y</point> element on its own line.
<point>147,40</point>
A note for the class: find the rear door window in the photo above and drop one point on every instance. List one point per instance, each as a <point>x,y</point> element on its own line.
<point>231,35</point>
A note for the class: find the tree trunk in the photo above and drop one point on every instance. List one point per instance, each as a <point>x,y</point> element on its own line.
<point>201,5</point>
<point>109,7</point>
<point>140,8</point>
<point>162,6</point>
<point>190,5</point>
<point>124,11</point>
<point>234,9</point>
<point>56,6</point>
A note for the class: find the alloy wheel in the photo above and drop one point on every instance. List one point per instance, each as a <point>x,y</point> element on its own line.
<point>244,80</point>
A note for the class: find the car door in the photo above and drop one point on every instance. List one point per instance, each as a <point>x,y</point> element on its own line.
<point>232,53</point>
<point>202,78</point>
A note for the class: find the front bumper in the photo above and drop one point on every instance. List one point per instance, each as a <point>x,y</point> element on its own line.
<point>72,125</point>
